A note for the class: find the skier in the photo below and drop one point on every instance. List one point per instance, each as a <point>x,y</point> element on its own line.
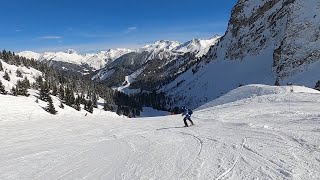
<point>187,113</point>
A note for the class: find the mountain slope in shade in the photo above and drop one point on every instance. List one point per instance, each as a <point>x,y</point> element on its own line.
<point>153,64</point>
<point>266,41</point>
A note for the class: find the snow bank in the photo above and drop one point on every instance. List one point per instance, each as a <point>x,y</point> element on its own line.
<point>254,91</point>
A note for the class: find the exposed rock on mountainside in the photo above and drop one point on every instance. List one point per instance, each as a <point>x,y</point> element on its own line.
<point>265,41</point>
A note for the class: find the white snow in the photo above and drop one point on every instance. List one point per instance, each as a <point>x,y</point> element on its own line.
<point>96,61</point>
<point>128,80</point>
<point>30,73</point>
<point>198,46</point>
<point>257,132</point>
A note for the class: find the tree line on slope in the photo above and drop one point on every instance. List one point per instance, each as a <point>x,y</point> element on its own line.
<point>75,91</point>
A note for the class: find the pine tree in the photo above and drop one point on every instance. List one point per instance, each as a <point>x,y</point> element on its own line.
<point>137,112</point>
<point>50,108</point>
<point>77,104</point>
<point>61,92</point>
<point>1,68</point>
<point>39,82</point>
<point>94,100</point>
<point>21,89</point>
<point>26,82</point>
<point>317,87</point>
<point>69,97</point>
<point>14,91</point>
<point>119,111</point>
<point>2,89</point>
<point>44,92</point>
<point>61,105</point>
<point>19,73</point>
<point>277,83</point>
<point>89,106</point>
<point>107,106</point>
<point>6,76</point>
<point>54,90</point>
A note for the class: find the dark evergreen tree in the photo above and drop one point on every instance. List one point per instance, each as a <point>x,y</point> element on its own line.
<point>50,108</point>
<point>14,91</point>
<point>2,89</point>
<point>107,107</point>
<point>61,105</point>
<point>6,76</point>
<point>69,97</point>
<point>94,100</point>
<point>26,83</point>
<point>44,92</point>
<point>137,112</point>
<point>21,89</point>
<point>119,111</point>
<point>61,92</point>
<point>54,90</point>
<point>77,104</point>
<point>19,73</point>
<point>1,67</point>
<point>317,87</point>
<point>277,83</point>
<point>39,82</point>
<point>89,106</point>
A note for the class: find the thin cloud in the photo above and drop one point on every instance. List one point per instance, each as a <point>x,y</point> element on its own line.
<point>131,29</point>
<point>19,30</point>
<point>50,37</point>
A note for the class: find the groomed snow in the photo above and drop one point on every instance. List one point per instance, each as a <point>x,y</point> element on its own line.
<point>255,132</point>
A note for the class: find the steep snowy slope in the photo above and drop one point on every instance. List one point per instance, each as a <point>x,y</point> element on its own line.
<point>266,41</point>
<point>272,135</point>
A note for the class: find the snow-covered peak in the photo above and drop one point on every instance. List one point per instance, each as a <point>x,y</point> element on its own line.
<point>112,54</point>
<point>71,51</point>
<point>94,60</point>
<point>162,45</point>
<point>197,46</point>
<point>29,54</point>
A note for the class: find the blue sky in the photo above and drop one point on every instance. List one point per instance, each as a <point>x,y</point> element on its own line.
<point>90,26</point>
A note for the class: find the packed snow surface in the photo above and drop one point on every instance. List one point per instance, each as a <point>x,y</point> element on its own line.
<point>253,132</point>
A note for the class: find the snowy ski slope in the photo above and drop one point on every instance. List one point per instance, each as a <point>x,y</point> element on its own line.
<point>253,132</point>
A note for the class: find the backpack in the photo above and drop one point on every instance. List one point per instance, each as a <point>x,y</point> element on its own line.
<point>190,111</point>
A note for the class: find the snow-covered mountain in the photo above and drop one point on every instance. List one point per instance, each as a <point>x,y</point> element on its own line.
<point>266,41</point>
<point>198,46</point>
<point>154,64</point>
<point>71,57</point>
<point>72,61</point>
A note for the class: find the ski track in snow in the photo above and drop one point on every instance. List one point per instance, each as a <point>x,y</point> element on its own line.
<point>255,138</point>
<point>235,162</point>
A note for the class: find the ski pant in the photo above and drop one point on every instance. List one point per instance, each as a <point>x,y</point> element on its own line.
<point>185,120</point>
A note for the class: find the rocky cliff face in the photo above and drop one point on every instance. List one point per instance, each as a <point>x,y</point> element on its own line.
<point>265,41</point>
<point>289,28</point>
